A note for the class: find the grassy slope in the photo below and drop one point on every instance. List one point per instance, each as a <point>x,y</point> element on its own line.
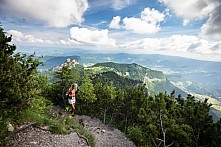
<point>155,80</point>
<point>132,71</point>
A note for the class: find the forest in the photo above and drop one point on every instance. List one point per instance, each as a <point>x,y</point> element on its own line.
<point>148,120</point>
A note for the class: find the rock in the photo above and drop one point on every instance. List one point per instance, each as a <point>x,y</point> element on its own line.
<point>45,128</point>
<point>10,127</point>
<point>33,142</point>
<point>36,137</point>
<point>105,135</point>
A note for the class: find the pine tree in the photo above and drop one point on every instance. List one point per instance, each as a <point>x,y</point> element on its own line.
<point>62,80</point>
<point>17,78</point>
<point>106,95</point>
<point>86,97</point>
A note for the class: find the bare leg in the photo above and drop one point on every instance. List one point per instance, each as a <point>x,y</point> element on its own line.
<point>73,108</point>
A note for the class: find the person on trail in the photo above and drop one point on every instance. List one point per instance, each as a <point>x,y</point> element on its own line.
<point>71,96</point>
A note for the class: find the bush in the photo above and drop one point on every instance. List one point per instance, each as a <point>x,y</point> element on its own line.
<point>135,134</point>
<point>17,77</point>
<point>3,129</point>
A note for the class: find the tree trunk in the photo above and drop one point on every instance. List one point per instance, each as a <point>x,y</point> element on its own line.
<point>112,115</point>
<point>105,111</point>
<point>126,122</point>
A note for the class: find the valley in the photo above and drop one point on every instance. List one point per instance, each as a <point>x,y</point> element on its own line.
<point>159,73</point>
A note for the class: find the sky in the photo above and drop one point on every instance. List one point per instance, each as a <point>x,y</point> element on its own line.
<point>189,28</point>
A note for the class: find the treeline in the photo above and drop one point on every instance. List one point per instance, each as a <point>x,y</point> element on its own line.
<point>112,78</point>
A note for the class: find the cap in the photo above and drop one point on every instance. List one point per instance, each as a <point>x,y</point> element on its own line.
<point>75,84</point>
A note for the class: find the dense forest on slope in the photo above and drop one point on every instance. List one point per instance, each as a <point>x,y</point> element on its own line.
<point>155,81</point>
<point>132,71</point>
<point>112,78</point>
<point>163,119</point>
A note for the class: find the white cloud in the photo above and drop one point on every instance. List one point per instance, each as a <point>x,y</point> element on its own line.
<point>216,48</point>
<point>115,23</point>
<point>191,9</point>
<point>120,4</point>
<point>186,22</point>
<point>79,37</point>
<point>173,43</point>
<point>93,37</point>
<point>16,35</point>
<point>209,48</point>
<point>20,37</point>
<point>177,45</point>
<point>57,13</point>
<point>212,27</point>
<point>139,26</point>
<point>149,22</point>
<point>152,16</point>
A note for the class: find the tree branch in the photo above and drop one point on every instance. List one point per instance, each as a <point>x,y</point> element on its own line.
<point>170,144</point>
<point>159,139</point>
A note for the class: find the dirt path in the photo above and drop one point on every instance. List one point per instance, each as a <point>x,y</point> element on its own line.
<point>36,137</point>
<point>104,136</point>
<point>31,136</point>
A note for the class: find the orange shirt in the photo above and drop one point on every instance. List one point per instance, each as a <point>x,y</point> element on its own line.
<point>72,91</point>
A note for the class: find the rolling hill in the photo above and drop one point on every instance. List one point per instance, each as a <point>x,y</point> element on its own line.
<point>154,80</point>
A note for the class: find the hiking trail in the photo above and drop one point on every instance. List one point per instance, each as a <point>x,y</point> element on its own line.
<point>30,135</point>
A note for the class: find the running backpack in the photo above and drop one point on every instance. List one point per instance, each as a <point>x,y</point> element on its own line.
<point>69,95</point>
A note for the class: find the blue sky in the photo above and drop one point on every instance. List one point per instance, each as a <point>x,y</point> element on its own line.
<point>190,28</point>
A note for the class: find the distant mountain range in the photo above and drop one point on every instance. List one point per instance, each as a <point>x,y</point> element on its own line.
<point>160,73</point>
<point>203,74</point>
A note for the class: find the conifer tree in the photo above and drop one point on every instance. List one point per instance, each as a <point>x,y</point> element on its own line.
<point>105,97</point>
<point>86,97</point>
<point>62,81</point>
<point>17,78</point>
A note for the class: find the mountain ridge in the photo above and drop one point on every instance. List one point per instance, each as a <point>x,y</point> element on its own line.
<point>155,81</point>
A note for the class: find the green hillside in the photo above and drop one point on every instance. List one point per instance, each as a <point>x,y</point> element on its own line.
<point>112,78</point>
<point>166,86</point>
<point>126,74</point>
<point>132,71</point>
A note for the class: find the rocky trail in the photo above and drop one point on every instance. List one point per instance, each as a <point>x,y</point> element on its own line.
<point>105,136</point>
<point>32,136</point>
